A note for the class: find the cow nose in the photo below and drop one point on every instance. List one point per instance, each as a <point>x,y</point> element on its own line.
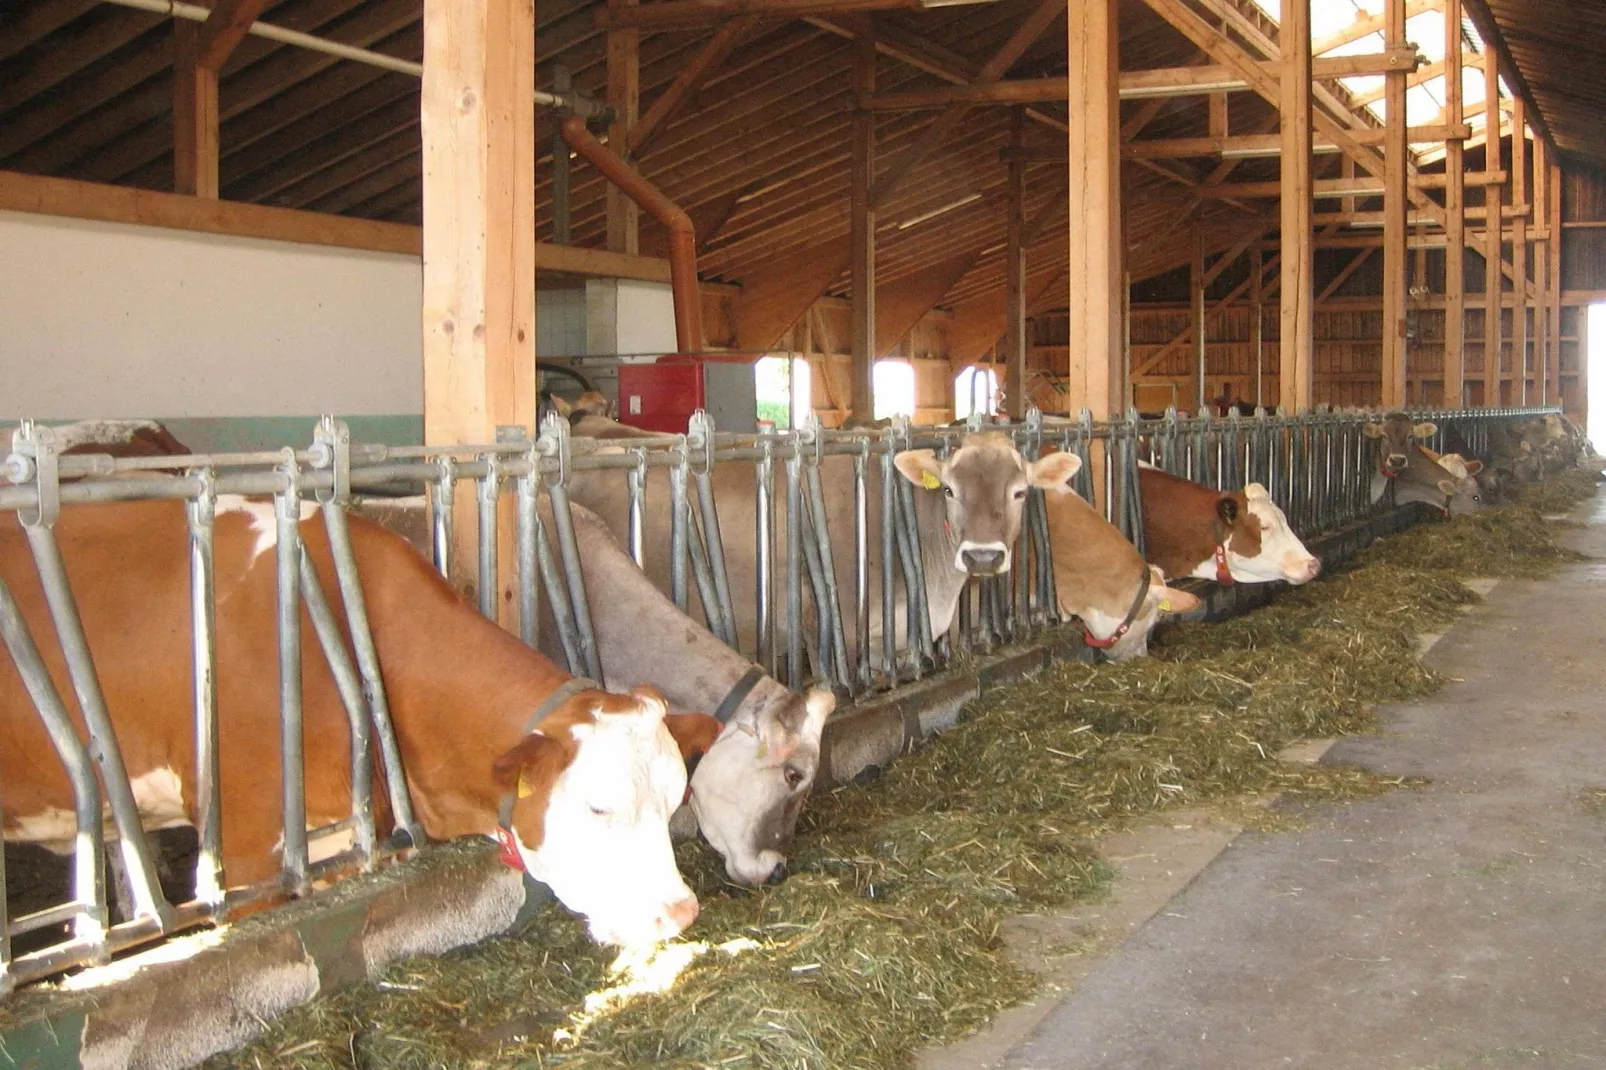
<point>982,561</point>
<point>1313,569</point>
<point>778,874</point>
<point>680,915</point>
<point>1396,460</point>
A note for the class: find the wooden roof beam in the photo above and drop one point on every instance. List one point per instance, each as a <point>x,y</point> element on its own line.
<point>941,128</point>
<point>1365,24</point>
<point>685,14</point>
<point>223,31</point>
<point>1135,85</point>
<point>663,108</point>
<point>1495,42</point>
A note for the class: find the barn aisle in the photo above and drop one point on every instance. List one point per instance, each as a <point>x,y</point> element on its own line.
<point>1457,926</point>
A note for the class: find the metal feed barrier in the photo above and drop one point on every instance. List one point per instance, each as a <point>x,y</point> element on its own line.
<point>1316,466</point>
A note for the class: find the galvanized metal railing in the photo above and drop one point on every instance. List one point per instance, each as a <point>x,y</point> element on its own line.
<point>1316,466</point>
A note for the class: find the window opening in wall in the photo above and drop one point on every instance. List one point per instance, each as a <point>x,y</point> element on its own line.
<point>975,390</point>
<point>784,385</point>
<point>893,384</point>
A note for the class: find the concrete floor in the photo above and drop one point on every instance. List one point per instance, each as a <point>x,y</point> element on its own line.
<point>1461,925</point>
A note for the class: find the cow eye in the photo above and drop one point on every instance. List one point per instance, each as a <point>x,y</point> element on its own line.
<point>600,811</point>
<point>947,490</point>
<point>1020,495</point>
<point>794,776</point>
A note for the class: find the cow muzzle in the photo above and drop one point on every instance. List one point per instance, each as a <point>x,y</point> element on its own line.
<point>983,558</point>
<point>1299,572</point>
<point>1394,464</point>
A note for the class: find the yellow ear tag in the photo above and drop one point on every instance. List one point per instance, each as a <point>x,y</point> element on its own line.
<point>763,749</point>
<point>929,481</point>
<point>525,791</point>
<point>1165,606</point>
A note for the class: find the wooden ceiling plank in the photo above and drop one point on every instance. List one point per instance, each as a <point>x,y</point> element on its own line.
<point>74,52</point>
<point>38,21</point>
<point>224,29</point>
<point>664,106</point>
<point>350,140</point>
<point>1030,29</point>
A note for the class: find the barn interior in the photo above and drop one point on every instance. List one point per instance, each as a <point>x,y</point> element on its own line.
<point>881,194</point>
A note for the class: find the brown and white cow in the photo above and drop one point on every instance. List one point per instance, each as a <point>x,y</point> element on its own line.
<point>1100,577</point>
<point>967,508</point>
<point>595,780</point>
<point>1410,472</point>
<point>748,789</point>
<point>1242,537</point>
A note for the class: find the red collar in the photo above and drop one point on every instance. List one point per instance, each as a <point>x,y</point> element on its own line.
<point>1223,573</point>
<point>1389,473</point>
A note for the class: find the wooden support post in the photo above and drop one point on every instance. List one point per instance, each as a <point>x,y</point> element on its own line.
<point>1455,217</point>
<point>1395,166</point>
<point>195,116</point>
<point>1541,274</point>
<point>1196,294</point>
<point>199,52</point>
<point>1519,254</point>
<point>1553,253</point>
<point>1015,276</point>
<point>862,225</point>
<point>1257,324</point>
<point>624,94</point>
<point>1296,347</point>
<point>1218,115</point>
<point>478,120</point>
<point>1493,233</point>
<point>1096,270</point>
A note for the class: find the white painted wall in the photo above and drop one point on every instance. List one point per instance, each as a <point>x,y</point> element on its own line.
<point>115,320</point>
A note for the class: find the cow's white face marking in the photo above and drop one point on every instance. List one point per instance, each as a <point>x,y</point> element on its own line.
<point>263,523</point>
<point>748,788</point>
<point>606,851</point>
<point>1282,556</point>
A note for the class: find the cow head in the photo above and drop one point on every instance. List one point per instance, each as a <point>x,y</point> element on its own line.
<point>1260,545</point>
<point>984,483</point>
<point>1397,434</point>
<point>595,784</point>
<point>748,790</point>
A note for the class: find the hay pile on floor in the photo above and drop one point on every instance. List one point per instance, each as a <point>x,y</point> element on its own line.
<point>886,937</point>
<point>1558,492</point>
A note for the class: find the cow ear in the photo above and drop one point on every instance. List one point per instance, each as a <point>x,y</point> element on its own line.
<point>1373,430</point>
<point>1473,467</point>
<point>1054,472</point>
<point>561,407</point>
<point>694,733</point>
<point>535,761</point>
<point>1227,510</point>
<point>650,702</point>
<point>820,704</point>
<point>1255,492</point>
<point>1425,429</point>
<point>1447,486</point>
<point>1171,600</point>
<point>920,467</point>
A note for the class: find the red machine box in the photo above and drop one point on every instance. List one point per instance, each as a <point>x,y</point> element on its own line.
<point>662,396</point>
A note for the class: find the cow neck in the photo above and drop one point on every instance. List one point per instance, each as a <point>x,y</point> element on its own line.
<point>1223,569</point>
<point>1126,623</point>
<point>461,689</point>
<point>939,544</point>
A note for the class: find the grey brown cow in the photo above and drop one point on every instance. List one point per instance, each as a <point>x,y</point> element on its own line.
<point>1414,476</point>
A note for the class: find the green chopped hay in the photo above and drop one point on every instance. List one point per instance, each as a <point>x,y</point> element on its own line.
<point>885,939</point>
<point>1559,492</point>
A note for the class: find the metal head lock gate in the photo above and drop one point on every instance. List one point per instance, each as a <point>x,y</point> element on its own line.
<point>824,577</point>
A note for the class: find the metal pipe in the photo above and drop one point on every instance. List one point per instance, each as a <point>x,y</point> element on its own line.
<point>794,571</point>
<point>525,520</point>
<point>489,488</point>
<point>764,558</point>
<point>292,743</point>
<point>558,598</point>
<point>889,520</point>
<point>443,503</point>
<point>679,519</point>
<point>861,568</point>
<point>682,234</point>
<point>89,875</point>
<point>715,545</point>
<point>569,554</point>
<point>349,686</point>
<point>373,681</point>
<point>200,513</point>
<point>196,13</point>
<point>134,851</point>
